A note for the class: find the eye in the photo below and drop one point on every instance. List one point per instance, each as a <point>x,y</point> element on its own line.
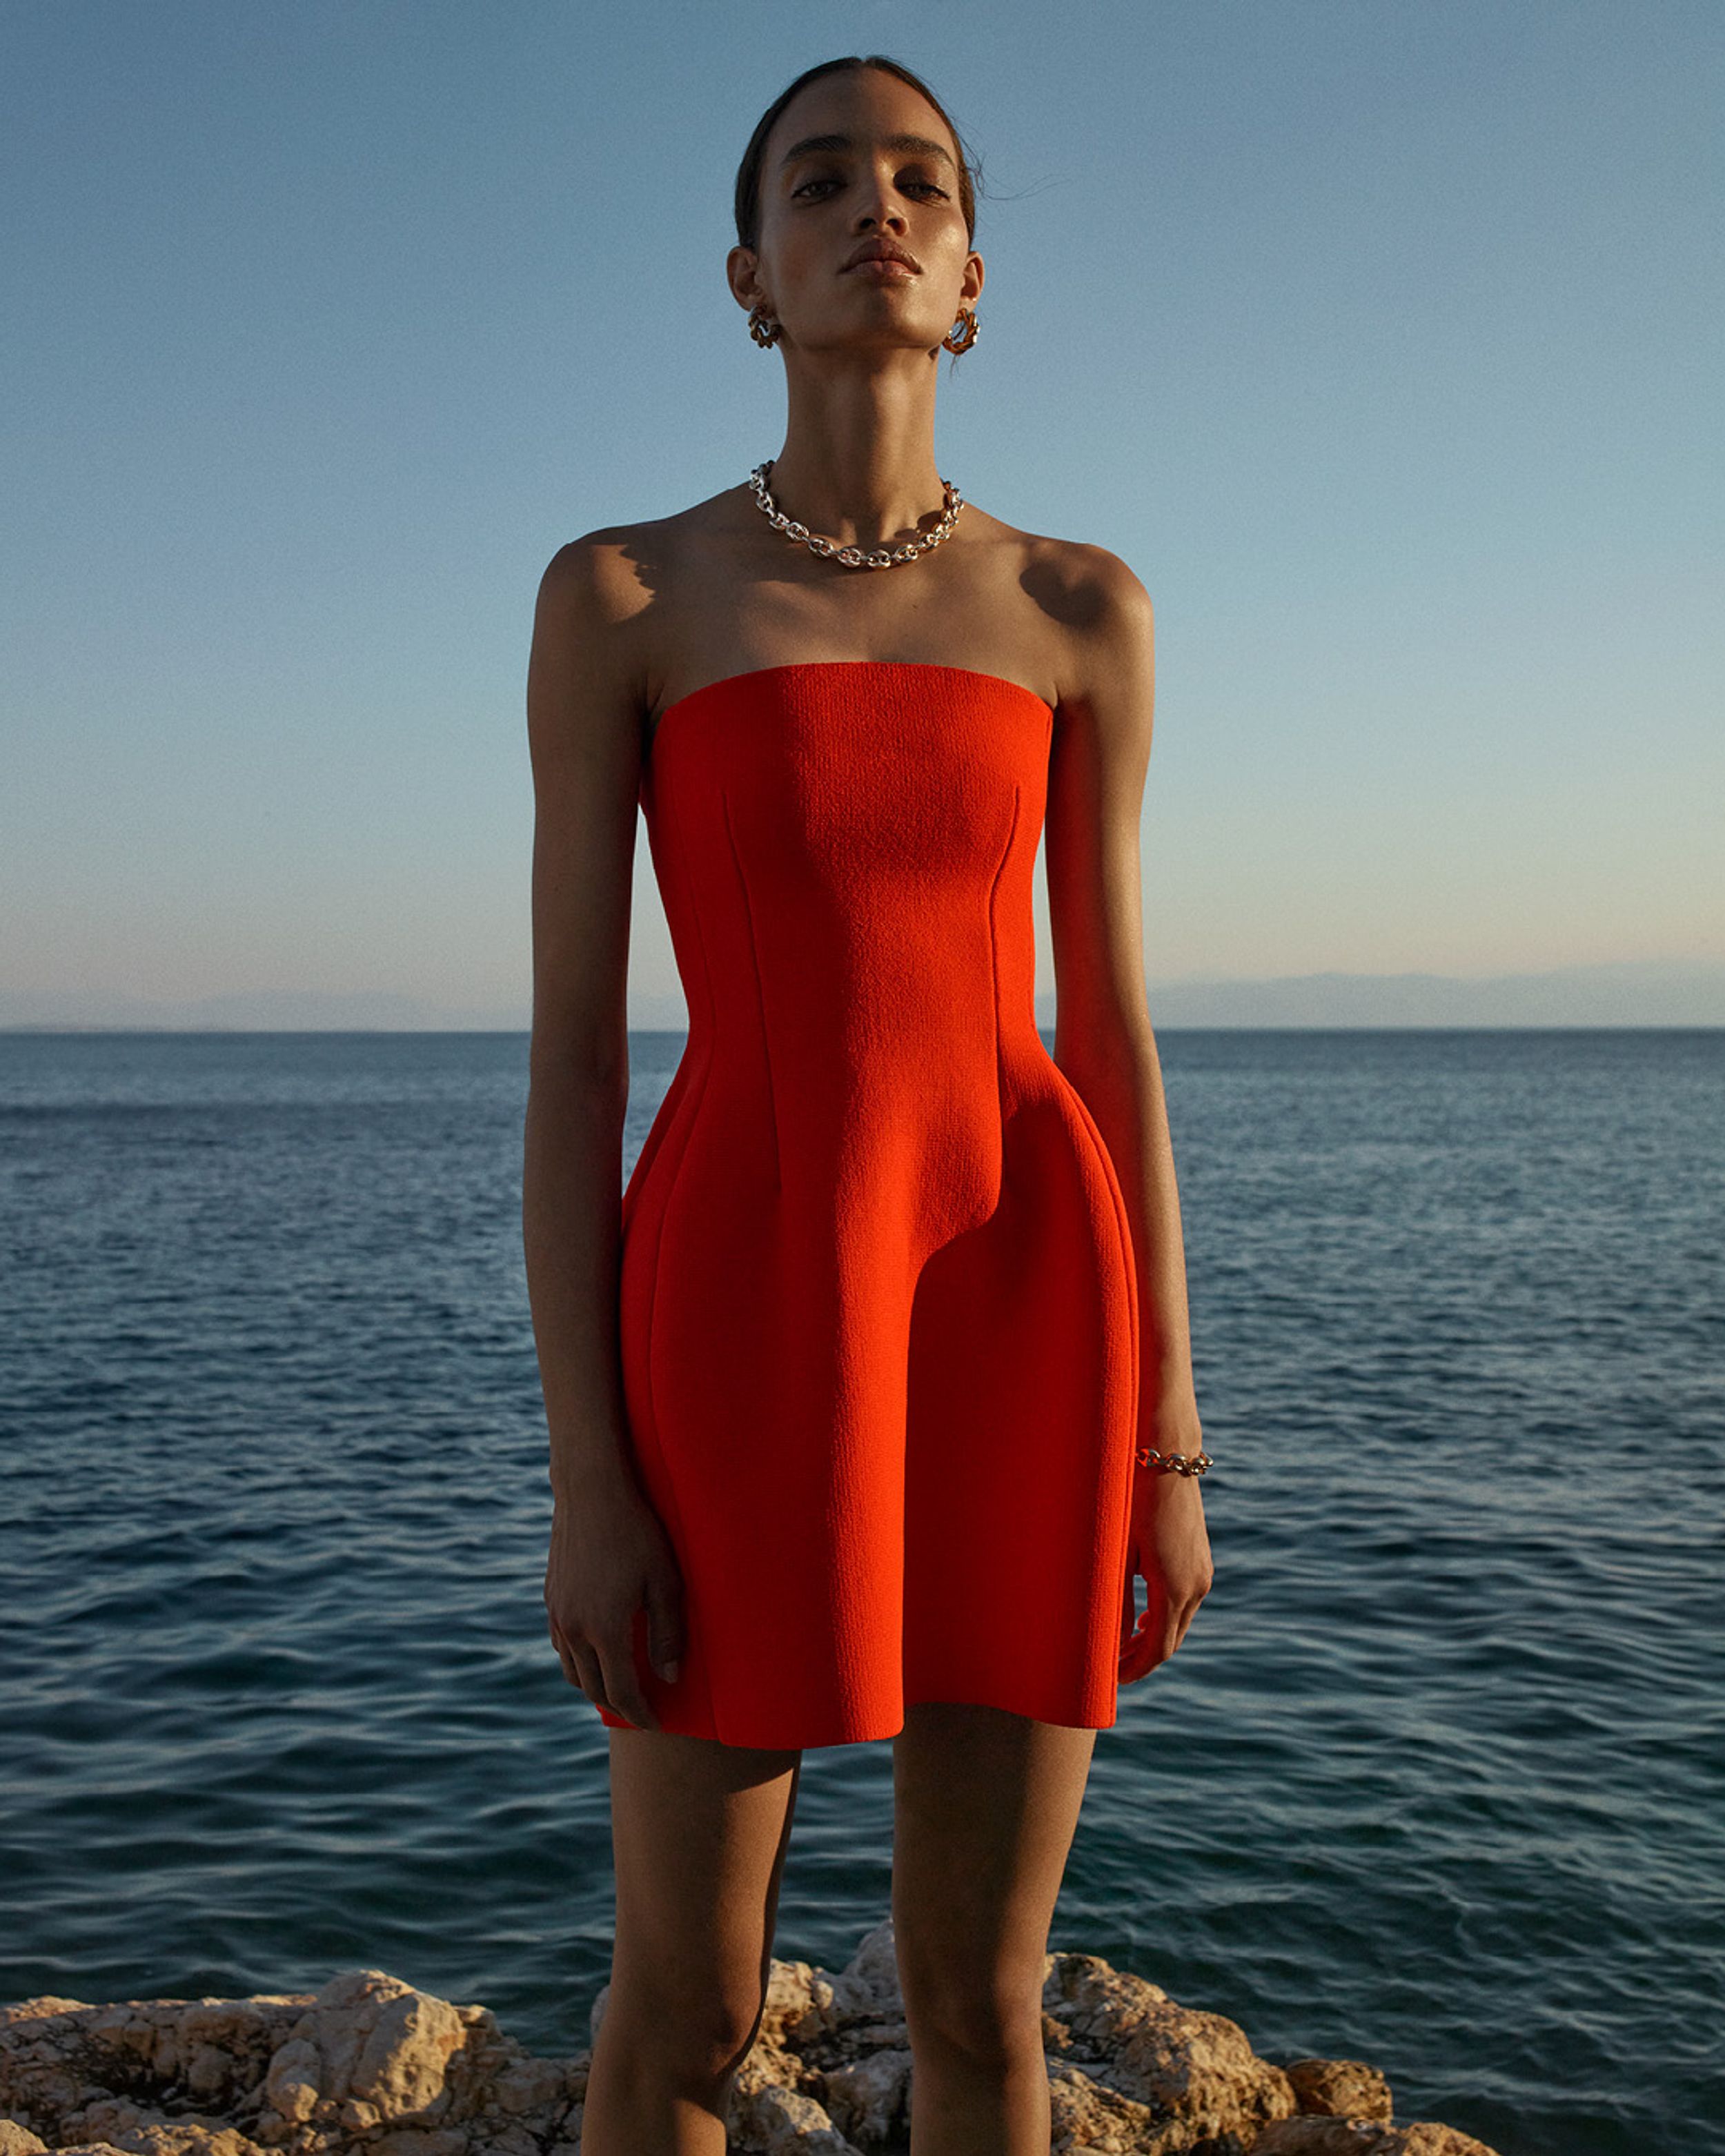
<point>826,180</point>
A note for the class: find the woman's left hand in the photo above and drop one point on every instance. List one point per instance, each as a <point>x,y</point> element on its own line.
<point>1170,1549</point>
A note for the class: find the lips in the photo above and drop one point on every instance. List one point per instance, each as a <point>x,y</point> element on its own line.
<point>881,250</point>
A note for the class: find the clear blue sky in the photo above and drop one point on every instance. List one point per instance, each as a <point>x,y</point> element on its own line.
<point>1381,337</point>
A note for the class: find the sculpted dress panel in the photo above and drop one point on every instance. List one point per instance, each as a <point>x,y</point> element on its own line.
<point>879,1315</point>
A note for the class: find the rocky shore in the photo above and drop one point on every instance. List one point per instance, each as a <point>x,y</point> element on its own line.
<point>369,2067</point>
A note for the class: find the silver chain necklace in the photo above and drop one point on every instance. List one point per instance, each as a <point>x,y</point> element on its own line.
<point>856,558</point>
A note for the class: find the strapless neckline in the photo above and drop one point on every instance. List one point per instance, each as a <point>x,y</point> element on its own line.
<point>814,665</point>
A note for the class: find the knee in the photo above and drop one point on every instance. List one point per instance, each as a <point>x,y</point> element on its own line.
<point>694,2041</point>
<point>989,2018</point>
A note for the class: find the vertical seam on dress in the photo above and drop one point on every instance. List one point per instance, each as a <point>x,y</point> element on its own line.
<point>994,970</point>
<point>760,993</point>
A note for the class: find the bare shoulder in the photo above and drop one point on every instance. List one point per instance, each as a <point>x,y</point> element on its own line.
<point>1089,596</point>
<point>1115,592</point>
<point>616,571</point>
<point>590,666</point>
<point>594,582</point>
<point>620,591</point>
<point>1105,626</point>
<point>1099,600</point>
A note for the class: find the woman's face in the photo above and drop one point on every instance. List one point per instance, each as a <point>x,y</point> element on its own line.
<point>856,156</point>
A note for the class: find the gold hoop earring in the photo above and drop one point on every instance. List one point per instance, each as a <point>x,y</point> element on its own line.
<point>762,328</point>
<point>972,331</point>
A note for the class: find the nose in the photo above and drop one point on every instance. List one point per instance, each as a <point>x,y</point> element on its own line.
<point>879,206</point>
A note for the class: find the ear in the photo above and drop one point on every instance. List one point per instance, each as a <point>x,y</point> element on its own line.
<point>742,273</point>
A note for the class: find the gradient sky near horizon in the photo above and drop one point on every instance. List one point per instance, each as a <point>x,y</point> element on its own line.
<point>1381,337</point>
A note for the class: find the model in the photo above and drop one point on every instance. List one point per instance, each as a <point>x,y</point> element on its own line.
<point>873,1398</point>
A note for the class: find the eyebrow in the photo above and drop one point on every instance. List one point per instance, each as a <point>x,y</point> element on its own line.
<point>816,144</point>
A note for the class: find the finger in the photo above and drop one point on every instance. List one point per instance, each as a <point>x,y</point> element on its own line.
<point>1179,1619</point>
<point>1147,1650</point>
<point>1151,1641</point>
<point>1135,1662</point>
<point>622,1685</point>
<point>588,1671</point>
<point>1186,1617</point>
<point>1131,1661</point>
<point>664,1626</point>
<point>564,1657</point>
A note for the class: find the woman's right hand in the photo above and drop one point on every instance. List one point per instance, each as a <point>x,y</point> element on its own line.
<point>609,1554</point>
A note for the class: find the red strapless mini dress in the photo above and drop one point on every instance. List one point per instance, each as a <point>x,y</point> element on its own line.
<point>879,1324</point>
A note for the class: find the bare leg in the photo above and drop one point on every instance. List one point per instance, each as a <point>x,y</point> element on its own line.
<point>699,1832</point>
<point>987,1802</point>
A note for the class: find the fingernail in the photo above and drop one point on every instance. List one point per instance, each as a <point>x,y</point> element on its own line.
<point>668,1670</point>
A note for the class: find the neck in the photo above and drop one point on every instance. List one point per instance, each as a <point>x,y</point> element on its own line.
<point>858,460</point>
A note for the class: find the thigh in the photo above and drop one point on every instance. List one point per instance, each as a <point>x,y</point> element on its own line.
<point>986,1805</point>
<point>699,1832</point>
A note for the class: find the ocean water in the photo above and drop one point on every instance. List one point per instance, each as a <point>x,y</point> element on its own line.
<point>1435,1779</point>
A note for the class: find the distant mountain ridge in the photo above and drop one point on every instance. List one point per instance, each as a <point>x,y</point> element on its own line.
<point>1635,991</point>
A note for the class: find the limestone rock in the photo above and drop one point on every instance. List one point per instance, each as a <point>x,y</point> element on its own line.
<point>379,2042</point>
<point>1340,2088</point>
<point>366,2062</point>
<point>77,2076</point>
<point>768,2120</point>
<point>369,2065</point>
<point>871,2099</point>
<point>1148,2074</point>
<point>1316,2136</point>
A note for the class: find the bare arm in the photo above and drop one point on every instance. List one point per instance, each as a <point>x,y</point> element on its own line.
<point>584,737</point>
<point>584,744</point>
<point>1105,1045</point>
